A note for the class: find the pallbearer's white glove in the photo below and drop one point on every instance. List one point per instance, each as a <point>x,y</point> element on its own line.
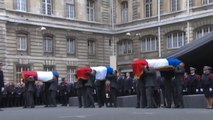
<point>201,89</point>
<point>197,90</point>
<point>210,89</point>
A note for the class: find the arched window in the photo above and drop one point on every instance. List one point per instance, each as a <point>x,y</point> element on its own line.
<point>176,40</point>
<point>125,47</point>
<point>124,11</point>
<point>149,44</point>
<point>203,30</point>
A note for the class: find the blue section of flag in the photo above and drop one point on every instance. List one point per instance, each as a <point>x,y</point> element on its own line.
<point>109,70</point>
<point>56,74</point>
<point>174,62</point>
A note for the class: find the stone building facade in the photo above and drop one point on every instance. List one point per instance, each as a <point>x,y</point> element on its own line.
<point>63,35</point>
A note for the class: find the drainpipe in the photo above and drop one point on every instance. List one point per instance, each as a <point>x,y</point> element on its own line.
<point>159,35</point>
<point>113,27</point>
<point>188,24</point>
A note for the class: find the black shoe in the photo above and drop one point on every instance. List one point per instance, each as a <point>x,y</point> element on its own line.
<point>168,107</point>
<point>46,106</point>
<point>177,106</point>
<point>92,106</point>
<point>54,106</point>
<point>1,110</point>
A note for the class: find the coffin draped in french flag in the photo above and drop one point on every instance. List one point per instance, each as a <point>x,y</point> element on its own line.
<point>158,64</point>
<point>101,72</point>
<point>43,76</point>
<point>83,73</point>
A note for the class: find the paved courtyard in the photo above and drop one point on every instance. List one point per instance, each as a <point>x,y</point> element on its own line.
<point>74,113</point>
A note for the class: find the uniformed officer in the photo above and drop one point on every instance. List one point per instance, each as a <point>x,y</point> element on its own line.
<point>178,86</point>
<point>193,82</point>
<point>64,92</point>
<point>1,82</point>
<point>52,90</point>
<point>150,84</point>
<point>89,89</point>
<point>168,86</point>
<point>29,92</point>
<point>141,92</point>
<point>207,81</point>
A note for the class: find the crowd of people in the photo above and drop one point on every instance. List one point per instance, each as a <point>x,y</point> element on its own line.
<point>150,88</point>
<point>14,94</point>
<point>172,85</point>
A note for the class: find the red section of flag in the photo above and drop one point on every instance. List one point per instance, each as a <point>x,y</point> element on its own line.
<point>27,74</point>
<point>83,73</point>
<point>138,67</point>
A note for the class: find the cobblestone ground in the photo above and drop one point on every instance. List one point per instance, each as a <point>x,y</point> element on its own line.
<point>74,113</point>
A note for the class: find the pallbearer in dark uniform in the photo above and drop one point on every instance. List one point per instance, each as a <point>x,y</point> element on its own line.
<point>193,82</point>
<point>29,92</point>
<point>1,82</point>
<point>100,92</point>
<point>150,84</point>
<point>207,81</point>
<point>178,85</point>
<point>89,89</point>
<point>168,76</point>
<point>141,92</point>
<point>45,94</point>
<point>78,86</point>
<point>53,89</point>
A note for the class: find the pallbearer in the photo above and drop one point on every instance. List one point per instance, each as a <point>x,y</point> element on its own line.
<point>29,92</point>
<point>178,85</point>
<point>53,88</point>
